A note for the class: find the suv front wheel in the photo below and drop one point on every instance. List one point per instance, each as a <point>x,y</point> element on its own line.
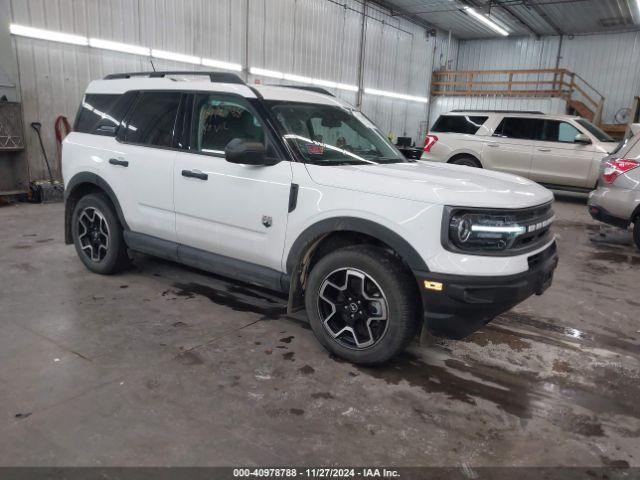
<point>361,304</point>
<point>97,235</point>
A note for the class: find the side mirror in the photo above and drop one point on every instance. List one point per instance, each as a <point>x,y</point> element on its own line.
<point>582,138</point>
<point>247,152</point>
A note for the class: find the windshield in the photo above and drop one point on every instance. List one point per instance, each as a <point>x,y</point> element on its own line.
<point>595,131</point>
<point>332,135</point>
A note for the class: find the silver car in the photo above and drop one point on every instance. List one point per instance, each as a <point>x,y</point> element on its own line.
<point>616,201</point>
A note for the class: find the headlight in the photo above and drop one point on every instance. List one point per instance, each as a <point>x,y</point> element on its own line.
<point>483,232</point>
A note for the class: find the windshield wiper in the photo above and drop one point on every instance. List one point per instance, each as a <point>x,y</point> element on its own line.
<point>394,160</point>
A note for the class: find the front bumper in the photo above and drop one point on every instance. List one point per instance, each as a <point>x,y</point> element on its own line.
<point>455,305</point>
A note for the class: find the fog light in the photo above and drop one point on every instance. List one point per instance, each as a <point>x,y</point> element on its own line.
<point>429,285</point>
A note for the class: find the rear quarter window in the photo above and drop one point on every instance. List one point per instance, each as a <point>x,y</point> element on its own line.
<point>459,124</point>
<point>101,114</point>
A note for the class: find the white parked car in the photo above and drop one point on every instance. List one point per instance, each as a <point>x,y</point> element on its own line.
<point>297,191</point>
<point>559,151</point>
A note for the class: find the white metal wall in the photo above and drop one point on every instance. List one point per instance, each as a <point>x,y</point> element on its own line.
<point>315,38</point>
<point>609,62</point>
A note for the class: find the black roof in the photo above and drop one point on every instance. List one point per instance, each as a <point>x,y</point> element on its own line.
<point>217,77</point>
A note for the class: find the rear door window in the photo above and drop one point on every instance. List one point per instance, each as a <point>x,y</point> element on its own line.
<point>459,124</point>
<point>520,128</point>
<point>153,119</point>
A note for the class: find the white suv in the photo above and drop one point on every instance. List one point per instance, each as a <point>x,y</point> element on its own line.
<point>296,191</point>
<point>559,151</point>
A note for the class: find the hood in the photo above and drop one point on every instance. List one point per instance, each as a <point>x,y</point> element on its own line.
<point>435,183</point>
<point>605,147</point>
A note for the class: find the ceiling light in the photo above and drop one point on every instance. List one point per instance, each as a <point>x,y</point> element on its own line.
<point>119,47</point>
<point>493,26</point>
<point>176,57</point>
<point>324,83</point>
<point>345,86</point>
<point>47,35</point>
<point>401,96</point>
<point>297,78</point>
<point>266,73</point>
<point>207,62</point>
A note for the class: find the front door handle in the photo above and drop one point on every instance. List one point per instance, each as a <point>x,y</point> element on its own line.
<point>119,162</point>
<point>544,149</point>
<point>195,174</point>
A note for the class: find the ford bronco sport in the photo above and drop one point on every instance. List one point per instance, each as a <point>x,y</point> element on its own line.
<point>297,191</point>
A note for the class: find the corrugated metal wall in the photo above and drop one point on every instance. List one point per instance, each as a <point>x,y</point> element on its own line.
<point>609,62</point>
<point>315,38</point>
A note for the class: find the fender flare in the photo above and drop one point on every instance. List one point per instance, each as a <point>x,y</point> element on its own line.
<point>466,153</point>
<point>84,178</point>
<point>352,224</point>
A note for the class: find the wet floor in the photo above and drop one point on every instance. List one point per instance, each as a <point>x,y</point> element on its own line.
<point>164,365</point>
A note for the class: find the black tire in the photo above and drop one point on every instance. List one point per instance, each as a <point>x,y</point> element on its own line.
<point>93,209</point>
<point>636,231</point>
<point>467,161</point>
<point>384,273</point>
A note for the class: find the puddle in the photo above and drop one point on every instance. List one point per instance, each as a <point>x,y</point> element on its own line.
<point>579,337</point>
<point>523,394</point>
<point>496,337</point>
<point>222,297</point>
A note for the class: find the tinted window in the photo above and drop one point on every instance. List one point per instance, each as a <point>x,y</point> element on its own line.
<point>555,131</point>
<point>219,119</point>
<point>94,109</point>
<point>523,128</point>
<point>153,119</point>
<point>458,124</point>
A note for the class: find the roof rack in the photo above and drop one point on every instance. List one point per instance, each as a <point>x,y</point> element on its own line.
<point>308,88</point>
<point>530,112</point>
<point>217,77</point>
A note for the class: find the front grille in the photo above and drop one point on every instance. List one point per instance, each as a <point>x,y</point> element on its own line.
<point>538,222</point>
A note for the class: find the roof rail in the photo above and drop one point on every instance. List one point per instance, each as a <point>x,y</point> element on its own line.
<point>217,77</point>
<point>530,112</point>
<point>308,88</point>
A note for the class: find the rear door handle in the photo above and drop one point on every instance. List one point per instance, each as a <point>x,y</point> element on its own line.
<point>494,145</point>
<point>195,174</point>
<point>544,149</point>
<point>117,161</point>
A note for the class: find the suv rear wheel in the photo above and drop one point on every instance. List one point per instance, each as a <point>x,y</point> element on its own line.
<point>361,304</point>
<point>636,231</point>
<point>467,160</point>
<point>97,235</point>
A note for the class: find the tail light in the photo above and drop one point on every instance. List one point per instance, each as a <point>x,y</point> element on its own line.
<point>429,142</point>
<point>616,167</point>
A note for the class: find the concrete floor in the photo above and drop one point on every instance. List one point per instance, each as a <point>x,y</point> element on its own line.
<point>167,366</point>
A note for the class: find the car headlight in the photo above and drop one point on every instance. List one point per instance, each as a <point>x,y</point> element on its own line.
<point>475,230</point>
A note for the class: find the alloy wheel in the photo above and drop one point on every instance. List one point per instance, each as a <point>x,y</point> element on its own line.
<point>93,233</point>
<point>353,308</point>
